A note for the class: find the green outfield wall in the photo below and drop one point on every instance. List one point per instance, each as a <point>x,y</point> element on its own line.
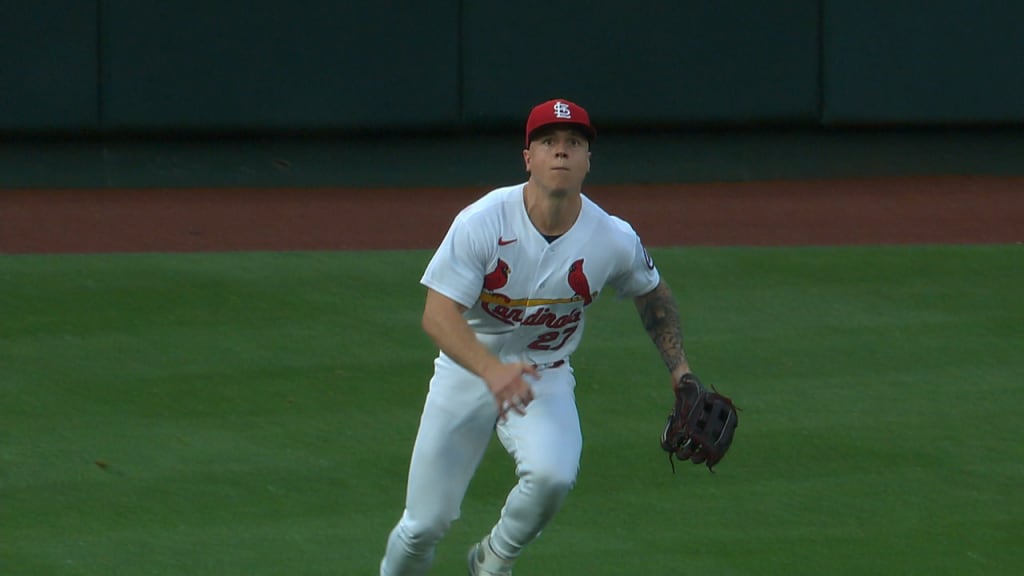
<point>918,62</point>
<point>361,65</point>
<point>49,65</point>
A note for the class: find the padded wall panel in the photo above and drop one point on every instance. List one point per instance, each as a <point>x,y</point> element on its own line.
<point>650,62</point>
<point>919,62</point>
<point>261,64</point>
<point>48,65</point>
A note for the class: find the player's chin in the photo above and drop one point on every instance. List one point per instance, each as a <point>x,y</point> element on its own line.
<point>564,180</point>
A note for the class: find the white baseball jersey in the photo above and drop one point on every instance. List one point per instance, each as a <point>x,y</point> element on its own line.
<point>526,297</point>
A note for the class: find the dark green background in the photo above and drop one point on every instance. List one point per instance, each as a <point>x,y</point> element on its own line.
<point>153,66</point>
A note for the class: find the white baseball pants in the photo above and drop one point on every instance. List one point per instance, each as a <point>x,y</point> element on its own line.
<point>455,428</point>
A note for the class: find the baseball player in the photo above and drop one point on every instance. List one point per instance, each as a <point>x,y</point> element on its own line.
<point>507,295</point>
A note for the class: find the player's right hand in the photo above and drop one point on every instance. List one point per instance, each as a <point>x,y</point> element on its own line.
<point>511,391</point>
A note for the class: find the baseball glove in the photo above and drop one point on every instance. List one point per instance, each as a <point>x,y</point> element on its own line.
<point>701,425</point>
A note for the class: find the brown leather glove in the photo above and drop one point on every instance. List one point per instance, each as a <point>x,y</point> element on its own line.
<point>701,425</point>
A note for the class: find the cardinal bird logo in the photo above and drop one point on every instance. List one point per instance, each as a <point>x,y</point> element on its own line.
<point>579,283</point>
<point>498,277</point>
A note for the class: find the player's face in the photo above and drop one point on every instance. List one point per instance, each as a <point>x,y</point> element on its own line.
<point>558,159</point>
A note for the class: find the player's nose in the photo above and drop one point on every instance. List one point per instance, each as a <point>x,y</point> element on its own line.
<point>561,147</point>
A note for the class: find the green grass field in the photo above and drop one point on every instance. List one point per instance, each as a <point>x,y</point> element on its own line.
<point>249,414</point>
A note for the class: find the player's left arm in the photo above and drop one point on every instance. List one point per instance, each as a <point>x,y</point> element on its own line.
<point>659,313</point>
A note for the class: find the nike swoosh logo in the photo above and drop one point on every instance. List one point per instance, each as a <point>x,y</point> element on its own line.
<point>503,242</point>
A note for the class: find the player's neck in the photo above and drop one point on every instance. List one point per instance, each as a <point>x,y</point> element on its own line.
<point>552,212</point>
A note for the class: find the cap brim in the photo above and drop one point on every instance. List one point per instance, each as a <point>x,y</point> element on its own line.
<point>586,130</point>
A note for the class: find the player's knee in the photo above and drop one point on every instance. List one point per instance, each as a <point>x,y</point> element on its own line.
<point>551,483</point>
<point>422,535</point>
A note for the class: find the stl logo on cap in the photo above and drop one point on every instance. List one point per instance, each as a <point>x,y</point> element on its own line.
<point>559,111</point>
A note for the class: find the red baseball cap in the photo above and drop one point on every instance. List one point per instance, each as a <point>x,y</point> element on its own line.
<point>558,111</point>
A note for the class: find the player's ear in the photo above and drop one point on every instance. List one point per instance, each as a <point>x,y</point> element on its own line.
<point>526,159</point>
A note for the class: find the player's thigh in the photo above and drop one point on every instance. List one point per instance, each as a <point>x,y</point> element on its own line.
<point>547,439</point>
<point>449,446</point>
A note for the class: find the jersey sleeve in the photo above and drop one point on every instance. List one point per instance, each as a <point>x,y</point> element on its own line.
<point>638,275</point>
<point>457,268</point>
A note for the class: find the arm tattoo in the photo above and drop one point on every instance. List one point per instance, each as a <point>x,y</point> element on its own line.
<point>660,316</point>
